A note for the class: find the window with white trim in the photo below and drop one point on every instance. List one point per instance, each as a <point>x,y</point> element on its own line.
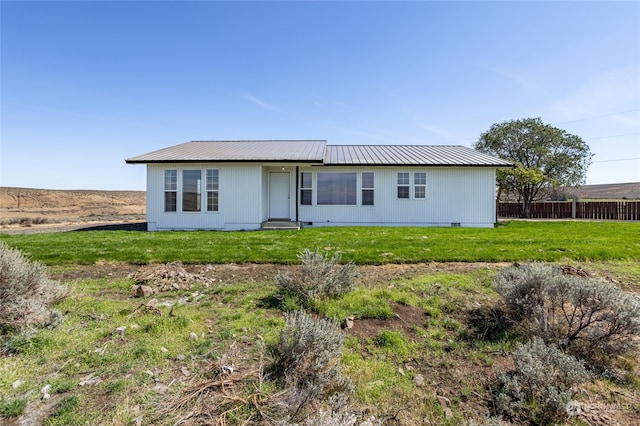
<point>419,185</point>
<point>403,185</point>
<point>191,190</point>
<point>337,189</point>
<point>170,190</point>
<point>213,188</point>
<point>306,189</point>
<point>367,188</point>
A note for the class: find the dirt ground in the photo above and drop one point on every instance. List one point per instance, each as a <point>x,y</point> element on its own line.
<point>24,210</point>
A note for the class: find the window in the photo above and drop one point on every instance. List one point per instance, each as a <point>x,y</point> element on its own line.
<point>337,189</point>
<point>191,187</point>
<point>170,190</point>
<point>306,191</point>
<point>419,185</point>
<point>403,185</point>
<point>212,190</point>
<point>367,188</point>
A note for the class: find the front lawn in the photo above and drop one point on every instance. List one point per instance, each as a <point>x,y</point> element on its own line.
<point>509,242</point>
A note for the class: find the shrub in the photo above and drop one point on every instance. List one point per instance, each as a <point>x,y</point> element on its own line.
<point>541,385</point>
<point>584,316</point>
<point>308,360</point>
<point>319,279</point>
<point>25,292</point>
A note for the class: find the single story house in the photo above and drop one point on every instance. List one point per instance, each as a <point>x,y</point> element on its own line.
<point>248,185</point>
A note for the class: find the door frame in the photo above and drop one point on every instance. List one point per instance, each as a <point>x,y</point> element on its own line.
<point>280,202</point>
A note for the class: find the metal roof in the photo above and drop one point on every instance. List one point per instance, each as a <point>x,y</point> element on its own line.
<point>317,151</point>
<point>410,155</point>
<point>265,150</point>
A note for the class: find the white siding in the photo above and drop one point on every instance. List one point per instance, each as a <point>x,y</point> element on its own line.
<point>454,195</point>
<point>264,191</point>
<point>240,198</point>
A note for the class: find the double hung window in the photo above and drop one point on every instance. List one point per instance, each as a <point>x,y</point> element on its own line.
<point>412,185</point>
<point>212,190</point>
<point>306,191</point>
<point>367,188</point>
<point>170,190</point>
<point>419,185</point>
<point>403,185</point>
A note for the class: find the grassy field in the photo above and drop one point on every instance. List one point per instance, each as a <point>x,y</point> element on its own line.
<point>121,360</point>
<point>509,242</point>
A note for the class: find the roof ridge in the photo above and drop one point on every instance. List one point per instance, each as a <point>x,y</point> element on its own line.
<point>260,140</point>
<point>389,144</point>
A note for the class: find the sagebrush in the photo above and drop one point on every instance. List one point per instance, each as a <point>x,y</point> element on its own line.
<point>584,316</point>
<point>308,357</point>
<point>541,385</point>
<point>26,292</point>
<point>320,278</point>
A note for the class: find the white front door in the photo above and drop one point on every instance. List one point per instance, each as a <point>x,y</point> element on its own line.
<point>279,195</point>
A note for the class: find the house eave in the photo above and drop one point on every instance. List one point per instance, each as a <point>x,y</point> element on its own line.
<point>222,161</point>
<point>414,165</point>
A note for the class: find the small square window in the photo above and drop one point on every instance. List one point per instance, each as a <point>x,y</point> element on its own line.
<point>403,192</point>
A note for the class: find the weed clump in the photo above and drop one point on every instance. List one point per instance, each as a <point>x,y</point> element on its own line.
<point>307,359</point>
<point>588,318</point>
<point>541,384</point>
<point>319,279</point>
<point>12,407</point>
<point>391,340</point>
<point>25,292</point>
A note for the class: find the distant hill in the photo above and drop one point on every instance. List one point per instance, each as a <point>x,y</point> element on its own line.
<point>616,191</point>
<point>66,204</point>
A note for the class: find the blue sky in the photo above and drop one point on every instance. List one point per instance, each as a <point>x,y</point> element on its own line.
<point>86,84</point>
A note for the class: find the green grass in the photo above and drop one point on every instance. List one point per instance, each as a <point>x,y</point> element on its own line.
<point>449,345</point>
<point>12,407</point>
<point>232,325</point>
<point>512,241</point>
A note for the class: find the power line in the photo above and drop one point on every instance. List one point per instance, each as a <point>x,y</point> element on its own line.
<point>600,116</point>
<point>614,136</point>
<point>617,159</point>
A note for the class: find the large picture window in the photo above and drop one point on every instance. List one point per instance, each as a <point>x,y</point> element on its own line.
<point>191,190</point>
<point>306,190</point>
<point>337,189</point>
<point>212,190</point>
<point>170,190</point>
<point>367,188</point>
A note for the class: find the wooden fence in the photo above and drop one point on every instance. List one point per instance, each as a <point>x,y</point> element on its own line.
<point>596,210</point>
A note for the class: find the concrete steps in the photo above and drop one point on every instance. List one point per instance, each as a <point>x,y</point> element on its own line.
<point>280,224</point>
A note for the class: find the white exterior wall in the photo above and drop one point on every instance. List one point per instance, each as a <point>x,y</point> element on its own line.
<point>454,195</point>
<point>240,198</point>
